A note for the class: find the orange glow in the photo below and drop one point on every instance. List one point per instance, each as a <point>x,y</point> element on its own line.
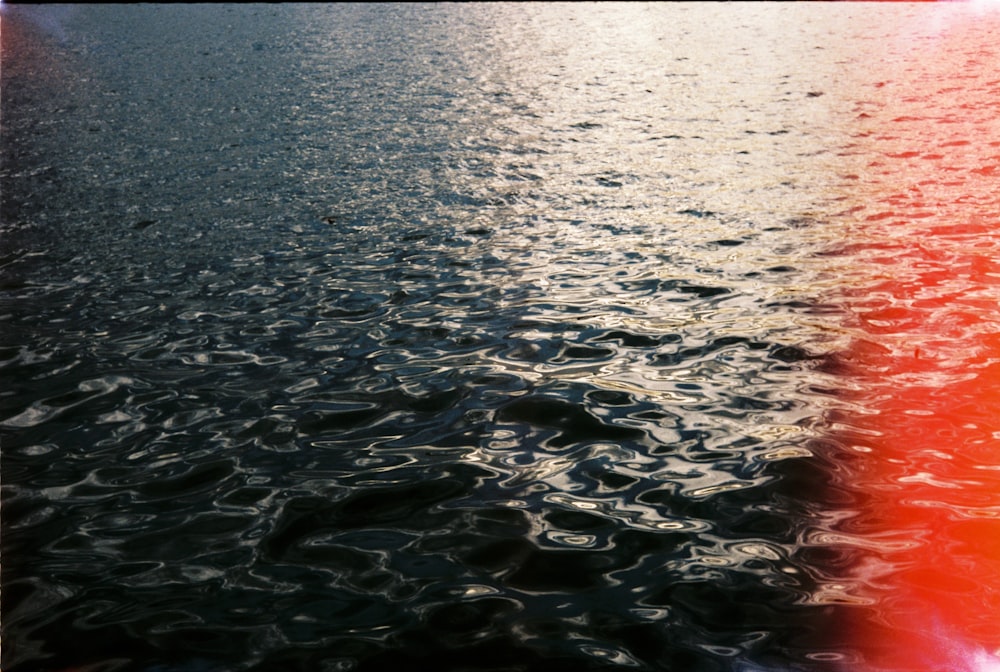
<point>925,310</point>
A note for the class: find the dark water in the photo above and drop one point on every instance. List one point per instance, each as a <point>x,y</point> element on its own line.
<point>427,337</point>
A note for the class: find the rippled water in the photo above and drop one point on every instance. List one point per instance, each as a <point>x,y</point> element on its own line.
<point>452,337</point>
<point>922,290</point>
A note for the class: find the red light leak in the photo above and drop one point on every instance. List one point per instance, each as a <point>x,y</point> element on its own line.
<point>924,304</point>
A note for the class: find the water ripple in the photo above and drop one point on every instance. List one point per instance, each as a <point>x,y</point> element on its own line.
<point>340,344</point>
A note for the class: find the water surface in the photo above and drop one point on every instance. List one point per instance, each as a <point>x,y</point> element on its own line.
<point>456,337</point>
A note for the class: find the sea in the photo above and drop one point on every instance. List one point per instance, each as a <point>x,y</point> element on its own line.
<point>500,337</point>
